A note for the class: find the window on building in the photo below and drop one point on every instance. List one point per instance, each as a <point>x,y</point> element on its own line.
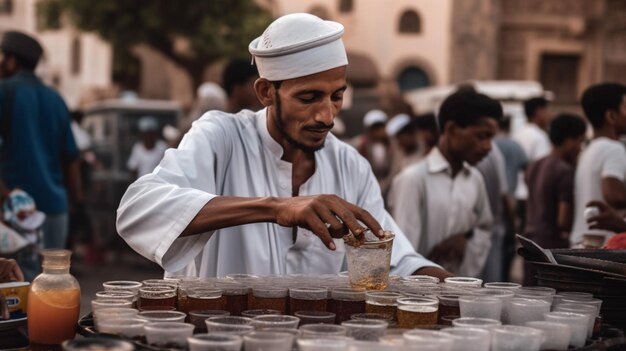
<point>412,77</point>
<point>559,74</point>
<point>6,7</point>
<point>345,5</point>
<point>75,56</point>
<point>410,22</point>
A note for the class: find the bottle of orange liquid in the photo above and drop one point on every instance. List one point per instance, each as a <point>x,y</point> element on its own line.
<point>53,300</point>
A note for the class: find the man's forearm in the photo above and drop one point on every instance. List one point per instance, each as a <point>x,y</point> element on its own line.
<point>229,211</point>
<point>74,182</point>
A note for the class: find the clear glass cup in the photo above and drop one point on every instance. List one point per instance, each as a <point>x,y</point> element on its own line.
<point>480,323</point>
<point>503,285</point>
<point>417,311</point>
<point>198,317</point>
<point>577,323</point>
<point>275,321</point>
<point>162,316</point>
<point>205,299</point>
<point>97,343</point>
<point>322,330</point>
<point>516,338</point>
<point>214,342</point>
<point>269,298</point>
<point>469,339</point>
<point>383,302</point>
<point>339,343</point>
<point>230,323</point>
<point>129,328</point>
<point>157,295</point>
<point>557,335</point>
<point>117,294</point>
<point>98,303</point>
<point>345,302</point>
<point>448,306</point>
<point>480,307</point>
<point>369,261</point>
<point>236,297</point>
<point>522,310</point>
<point>463,282</point>
<point>268,340</point>
<point>260,312</point>
<point>308,299</point>
<point>315,317</point>
<point>427,340</point>
<point>168,334</point>
<point>127,285</point>
<point>370,330</point>
<point>105,314</point>
<point>589,311</point>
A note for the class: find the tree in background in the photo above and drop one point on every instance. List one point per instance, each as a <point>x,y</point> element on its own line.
<point>192,33</point>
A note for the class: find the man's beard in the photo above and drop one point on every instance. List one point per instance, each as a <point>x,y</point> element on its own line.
<point>278,119</point>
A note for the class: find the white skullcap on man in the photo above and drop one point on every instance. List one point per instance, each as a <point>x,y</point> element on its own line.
<point>298,45</point>
<point>397,123</point>
<point>374,117</point>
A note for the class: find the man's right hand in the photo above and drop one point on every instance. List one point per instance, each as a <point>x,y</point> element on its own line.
<point>608,219</point>
<point>10,271</point>
<point>327,216</point>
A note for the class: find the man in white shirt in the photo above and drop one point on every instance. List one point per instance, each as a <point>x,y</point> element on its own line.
<point>601,169</point>
<point>267,192</point>
<point>148,152</point>
<point>440,202</point>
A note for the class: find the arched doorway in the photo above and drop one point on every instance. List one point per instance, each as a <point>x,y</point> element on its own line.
<point>413,77</point>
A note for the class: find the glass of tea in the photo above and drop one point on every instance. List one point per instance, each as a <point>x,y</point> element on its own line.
<point>383,302</point>
<point>308,299</point>
<point>269,298</point>
<point>158,295</point>
<point>417,311</point>
<point>369,260</point>
<point>344,302</point>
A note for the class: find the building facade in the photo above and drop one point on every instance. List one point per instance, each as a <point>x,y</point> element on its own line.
<point>77,64</point>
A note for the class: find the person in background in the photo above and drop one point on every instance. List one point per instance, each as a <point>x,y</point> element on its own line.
<point>373,144</point>
<point>38,153</point>
<point>210,96</point>
<point>607,218</point>
<point>427,132</point>
<point>550,183</point>
<point>515,161</point>
<point>405,148</point>
<point>533,139</point>
<point>441,202</point>
<point>238,81</point>
<point>148,152</point>
<point>601,170</point>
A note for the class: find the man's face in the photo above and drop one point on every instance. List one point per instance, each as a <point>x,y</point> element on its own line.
<point>377,133</point>
<point>408,141</point>
<point>473,142</point>
<point>572,147</point>
<point>305,108</point>
<point>543,117</point>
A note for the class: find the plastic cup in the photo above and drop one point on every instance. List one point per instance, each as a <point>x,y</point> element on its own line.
<point>339,343</point>
<point>370,330</point>
<point>427,340</point>
<point>417,311</point>
<point>230,323</point>
<point>373,346</point>
<point>574,295</point>
<point>161,282</point>
<point>97,343</point>
<point>345,302</point>
<point>308,299</point>
<point>536,293</point>
<point>117,294</point>
<point>469,339</point>
<point>201,298</point>
<point>168,334</point>
<point>577,323</point>
<point>369,261</point>
<point>503,285</point>
<point>372,316</point>
<point>268,340</point>
<point>516,338</point>
<point>480,323</point>
<point>589,311</point>
<point>448,306</point>
<point>463,282</point>
<point>162,316</point>
<point>506,295</point>
<point>130,328</point>
<point>157,295</point>
<point>322,330</point>
<point>269,298</point>
<point>198,317</point>
<point>214,342</point>
<point>557,335</point>
<point>118,285</point>
<point>260,312</point>
<point>109,303</point>
<point>383,302</point>
<point>315,317</point>
<point>275,321</point>
<point>413,279</point>
<point>105,314</point>
<point>597,303</point>
<point>480,307</point>
<point>522,311</point>
<point>156,308</point>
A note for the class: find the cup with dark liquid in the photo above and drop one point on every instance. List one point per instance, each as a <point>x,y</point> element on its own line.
<point>382,302</point>
<point>369,260</point>
<point>269,298</point>
<point>308,299</point>
<point>414,312</point>
<point>344,302</point>
<point>158,295</point>
<point>205,299</point>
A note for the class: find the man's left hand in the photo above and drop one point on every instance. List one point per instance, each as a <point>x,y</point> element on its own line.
<point>434,272</point>
<point>451,250</point>
<point>10,271</point>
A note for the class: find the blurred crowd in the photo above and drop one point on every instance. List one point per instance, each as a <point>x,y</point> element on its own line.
<point>459,191</point>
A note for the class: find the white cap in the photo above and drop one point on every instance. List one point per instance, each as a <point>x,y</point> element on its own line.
<point>298,45</point>
<point>374,116</point>
<point>397,123</point>
<point>208,90</point>
<point>148,124</point>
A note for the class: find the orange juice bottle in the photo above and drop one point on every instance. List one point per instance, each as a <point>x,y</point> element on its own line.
<point>53,301</point>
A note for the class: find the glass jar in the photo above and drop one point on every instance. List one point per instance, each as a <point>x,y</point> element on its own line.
<point>53,300</point>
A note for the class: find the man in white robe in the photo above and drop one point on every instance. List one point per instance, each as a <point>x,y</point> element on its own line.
<point>267,192</point>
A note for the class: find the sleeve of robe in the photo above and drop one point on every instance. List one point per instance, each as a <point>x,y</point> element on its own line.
<point>478,246</point>
<point>157,207</point>
<point>404,260</point>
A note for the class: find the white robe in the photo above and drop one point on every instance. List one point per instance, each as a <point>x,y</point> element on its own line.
<point>234,155</point>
